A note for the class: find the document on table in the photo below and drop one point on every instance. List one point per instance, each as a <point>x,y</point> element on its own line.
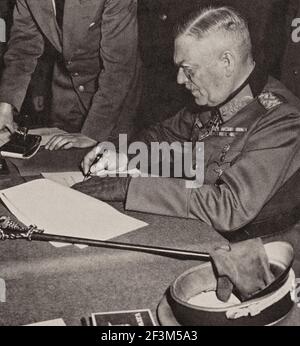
<point>4,137</point>
<point>70,178</point>
<point>51,323</point>
<point>62,211</point>
<point>65,178</point>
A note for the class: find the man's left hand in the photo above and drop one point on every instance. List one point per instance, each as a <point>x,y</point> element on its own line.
<point>111,189</point>
<point>70,140</point>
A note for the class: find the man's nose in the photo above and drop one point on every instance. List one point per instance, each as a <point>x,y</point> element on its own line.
<point>181,77</point>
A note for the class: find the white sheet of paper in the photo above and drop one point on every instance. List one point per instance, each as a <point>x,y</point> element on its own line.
<point>51,323</point>
<point>2,291</point>
<point>105,173</point>
<point>47,133</point>
<point>4,137</point>
<point>62,211</point>
<point>65,178</point>
<point>59,245</point>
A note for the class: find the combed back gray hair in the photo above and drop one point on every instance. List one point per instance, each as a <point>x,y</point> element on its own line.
<point>212,20</point>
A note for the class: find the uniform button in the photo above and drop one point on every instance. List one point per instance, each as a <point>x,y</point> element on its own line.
<point>75,74</point>
<point>223,158</point>
<point>81,88</point>
<point>226,148</point>
<point>296,72</point>
<point>163,17</point>
<point>69,62</point>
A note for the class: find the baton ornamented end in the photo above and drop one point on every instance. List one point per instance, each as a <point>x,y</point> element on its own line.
<point>11,230</point>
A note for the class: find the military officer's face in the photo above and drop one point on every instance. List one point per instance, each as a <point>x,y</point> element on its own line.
<point>201,69</point>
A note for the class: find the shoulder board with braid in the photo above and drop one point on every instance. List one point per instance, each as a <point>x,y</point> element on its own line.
<point>270,100</point>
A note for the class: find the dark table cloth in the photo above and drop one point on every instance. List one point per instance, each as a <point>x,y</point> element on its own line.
<point>44,282</point>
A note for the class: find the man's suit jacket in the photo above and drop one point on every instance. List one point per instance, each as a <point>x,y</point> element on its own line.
<point>95,78</point>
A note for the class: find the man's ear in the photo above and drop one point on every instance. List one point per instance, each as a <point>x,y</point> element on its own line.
<point>228,62</point>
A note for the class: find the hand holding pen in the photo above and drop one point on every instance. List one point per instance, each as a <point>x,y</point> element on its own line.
<point>100,162</point>
<point>89,173</point>
<point>92,159</point>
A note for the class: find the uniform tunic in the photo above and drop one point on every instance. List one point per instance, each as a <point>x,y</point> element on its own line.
<point>242,173</point>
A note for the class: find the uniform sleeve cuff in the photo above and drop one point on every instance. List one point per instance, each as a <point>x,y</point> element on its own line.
<point>163,196</point>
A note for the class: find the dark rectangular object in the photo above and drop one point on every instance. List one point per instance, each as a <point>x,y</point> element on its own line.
<point>21,146</point>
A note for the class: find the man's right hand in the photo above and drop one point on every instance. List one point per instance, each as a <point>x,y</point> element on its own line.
<point>6,117</point>
<point>110,161</point>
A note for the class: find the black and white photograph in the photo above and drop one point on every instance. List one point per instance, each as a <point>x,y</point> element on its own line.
<point>149,166</point>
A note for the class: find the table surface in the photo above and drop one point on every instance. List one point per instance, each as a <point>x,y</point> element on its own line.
<point>44,282</point>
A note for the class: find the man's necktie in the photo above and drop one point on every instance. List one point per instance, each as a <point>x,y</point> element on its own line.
<point>60,5</point>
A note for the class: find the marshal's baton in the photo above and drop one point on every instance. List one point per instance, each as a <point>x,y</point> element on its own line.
<point>10,230</point>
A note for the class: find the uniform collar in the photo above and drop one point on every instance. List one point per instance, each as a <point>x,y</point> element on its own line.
<point>243,95</point>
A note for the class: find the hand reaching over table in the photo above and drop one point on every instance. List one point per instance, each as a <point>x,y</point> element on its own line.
<point>69,140</point>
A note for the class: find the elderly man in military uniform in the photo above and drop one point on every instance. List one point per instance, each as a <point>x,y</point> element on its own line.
<point>161,96</point>
<point>250,129</point>
<point>96,72</point>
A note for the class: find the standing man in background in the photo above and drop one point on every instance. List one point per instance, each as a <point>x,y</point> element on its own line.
<point>96,72</point>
